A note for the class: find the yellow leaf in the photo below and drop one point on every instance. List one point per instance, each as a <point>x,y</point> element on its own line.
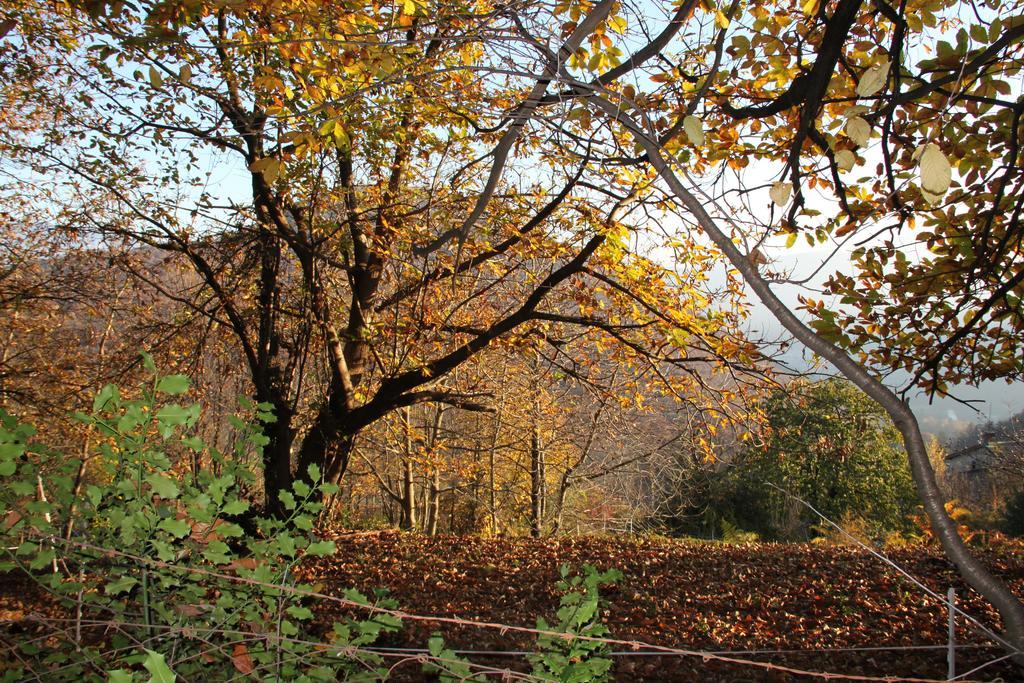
<point>721,19</point>
<point>811,7</point>
<point>858,130</point>
<point>936,173</point>
<point>341,138</point>
<point>694,130</point>
<point>845,159</point>
<point>268,167</point>
<point>155,79</point>
<point>780,192</point>
<point>873,80</point>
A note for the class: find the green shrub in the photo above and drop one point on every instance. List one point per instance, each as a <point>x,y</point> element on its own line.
<point>565,657</point>
<point>152,571</point>
<point>1013,516</point>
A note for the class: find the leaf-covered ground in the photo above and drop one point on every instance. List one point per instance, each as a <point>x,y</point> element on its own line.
<point>832,609</point>
<point>694,596</point>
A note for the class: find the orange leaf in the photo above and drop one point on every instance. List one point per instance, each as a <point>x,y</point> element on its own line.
<point>241,659</point>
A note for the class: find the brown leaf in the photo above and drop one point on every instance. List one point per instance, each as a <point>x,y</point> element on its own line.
<point>241,660</point>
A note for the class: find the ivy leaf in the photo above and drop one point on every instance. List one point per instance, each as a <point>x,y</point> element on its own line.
<point>158,669</point>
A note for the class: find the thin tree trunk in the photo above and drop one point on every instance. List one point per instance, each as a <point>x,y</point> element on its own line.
<point>434,502</point>
<point>536,482</point>
<point>408,521</point>
<point>491,452</point>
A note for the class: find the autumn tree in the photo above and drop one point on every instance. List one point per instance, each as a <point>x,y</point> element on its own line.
<point>362,202</point>
<point>800,95</point>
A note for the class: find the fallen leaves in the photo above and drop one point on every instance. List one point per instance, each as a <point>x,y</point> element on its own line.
<point>704,595</point>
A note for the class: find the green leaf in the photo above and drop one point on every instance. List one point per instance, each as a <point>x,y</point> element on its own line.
<point>120,676</point>
<point>299,612</point>
<point>435,645</point>
<point>235,507</point>
<point>176,527</point>
<point>158,669</point>
<point>173,385</point>
<point>217,552</point>
<point>148,364</point>
<point>163,486</point>
<point>174,415</point>
<point>122,585</point>
<point>43,559</point>
<point>321,548</point>
<point>107,394</point>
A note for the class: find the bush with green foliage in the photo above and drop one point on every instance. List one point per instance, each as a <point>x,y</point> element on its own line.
<point>562,655</point>
<point>153,571</point>
<point>828,444</point>
<point>1013,516</point>
<point>158,579</point>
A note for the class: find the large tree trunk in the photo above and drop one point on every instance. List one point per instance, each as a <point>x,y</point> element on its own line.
<point>328,445</point>
<point>277,461</point>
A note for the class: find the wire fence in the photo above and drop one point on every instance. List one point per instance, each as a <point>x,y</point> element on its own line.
<point>622,648</point>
